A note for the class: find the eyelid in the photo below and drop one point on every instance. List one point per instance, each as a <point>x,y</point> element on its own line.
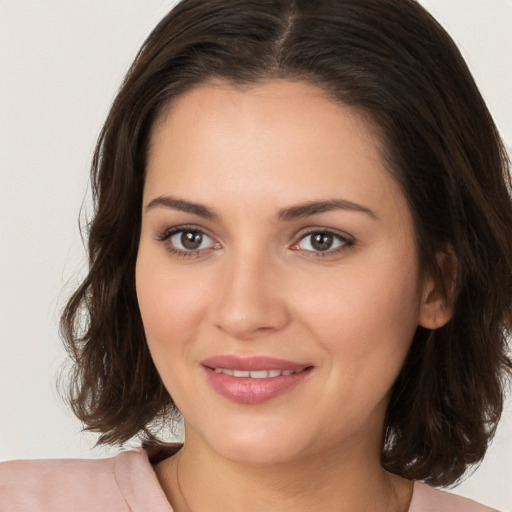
<point>347,241</point>
<point>168,232</point>
<point>166,235</point>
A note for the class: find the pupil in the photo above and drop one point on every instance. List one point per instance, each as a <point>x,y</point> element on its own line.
<point>321,241</point>
<point>191,239</point>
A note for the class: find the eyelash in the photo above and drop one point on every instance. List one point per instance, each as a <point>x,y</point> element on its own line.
<point>169,233</point>
<point>346,242</point>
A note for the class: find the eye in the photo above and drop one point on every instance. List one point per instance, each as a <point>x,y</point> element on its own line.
<point>185,241</point>
<point>191,240</point>
<point>322,241</point>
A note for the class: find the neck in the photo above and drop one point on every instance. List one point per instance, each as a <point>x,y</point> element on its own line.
<point>198,480</point>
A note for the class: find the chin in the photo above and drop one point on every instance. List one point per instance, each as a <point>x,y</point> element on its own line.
<point>256,443</point>
<point>257,453</point>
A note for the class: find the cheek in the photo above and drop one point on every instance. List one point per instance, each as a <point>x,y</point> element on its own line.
<point>366,321</point>
<point>171,309</point>
<point>366,346</point>
<point>171,305</point>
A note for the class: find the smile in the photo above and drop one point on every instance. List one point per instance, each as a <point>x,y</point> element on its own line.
<point>256,374</point>
<point>253,380</point>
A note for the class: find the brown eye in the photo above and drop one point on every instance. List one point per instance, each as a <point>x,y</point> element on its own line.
<point>323,242</point>
<point>191,240</point>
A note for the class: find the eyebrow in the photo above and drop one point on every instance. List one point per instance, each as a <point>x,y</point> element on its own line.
<point>315,207</point>
<point>184,206</point>
<point>286,214</point>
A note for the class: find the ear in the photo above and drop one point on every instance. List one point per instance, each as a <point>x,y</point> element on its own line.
<point>436,308</point>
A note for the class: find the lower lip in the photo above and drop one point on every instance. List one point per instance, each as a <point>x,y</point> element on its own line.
<point>245,390</point>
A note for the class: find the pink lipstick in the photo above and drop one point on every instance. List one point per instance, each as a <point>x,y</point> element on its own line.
<point>253,380</point>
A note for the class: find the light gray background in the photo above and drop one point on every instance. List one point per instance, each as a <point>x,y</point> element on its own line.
<point>61,62</point>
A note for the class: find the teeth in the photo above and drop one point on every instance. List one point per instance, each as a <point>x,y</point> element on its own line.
<point>224,370</point>
<point>256,374</point>
<point>260,374</point>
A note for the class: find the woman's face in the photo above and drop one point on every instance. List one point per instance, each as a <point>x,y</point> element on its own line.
<point>277,274</point>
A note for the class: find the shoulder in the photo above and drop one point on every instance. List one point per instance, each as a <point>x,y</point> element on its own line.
<point>428,499</point>
<point>60,484</point>
<point>75,484</point>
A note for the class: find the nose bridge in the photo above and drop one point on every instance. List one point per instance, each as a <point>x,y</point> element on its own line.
<point>249,301</point>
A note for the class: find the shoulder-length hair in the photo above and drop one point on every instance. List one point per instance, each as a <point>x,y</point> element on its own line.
<point>391,61</point>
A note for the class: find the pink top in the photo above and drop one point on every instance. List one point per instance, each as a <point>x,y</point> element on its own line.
<point>127,483</point>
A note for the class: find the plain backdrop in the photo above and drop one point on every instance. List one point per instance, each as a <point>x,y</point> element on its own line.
<point>61,62</point>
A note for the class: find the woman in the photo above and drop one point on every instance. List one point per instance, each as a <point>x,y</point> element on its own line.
<point>302,236</point>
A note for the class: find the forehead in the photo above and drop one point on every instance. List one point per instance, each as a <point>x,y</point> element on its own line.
<point>280,139</point>
<point>270,103</point>
<point>297,107</point>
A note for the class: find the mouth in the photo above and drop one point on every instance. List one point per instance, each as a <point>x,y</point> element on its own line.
<point>231,362</point>
<point>256,374</point>
<point>253,380</point>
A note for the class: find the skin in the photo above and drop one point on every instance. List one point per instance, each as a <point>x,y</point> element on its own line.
<point>257,286</point>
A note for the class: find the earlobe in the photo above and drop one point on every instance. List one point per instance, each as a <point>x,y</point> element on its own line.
<point>436,308</point>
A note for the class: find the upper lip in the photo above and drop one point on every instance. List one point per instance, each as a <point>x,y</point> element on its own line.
<point>252,363</point>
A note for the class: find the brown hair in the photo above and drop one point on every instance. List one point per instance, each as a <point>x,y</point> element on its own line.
<point>394,63</point>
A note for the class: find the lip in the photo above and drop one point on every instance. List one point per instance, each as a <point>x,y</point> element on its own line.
<point>253,363</point>
<point>246,390</point>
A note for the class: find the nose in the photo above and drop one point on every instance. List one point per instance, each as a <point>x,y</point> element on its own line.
<point>250,300</point>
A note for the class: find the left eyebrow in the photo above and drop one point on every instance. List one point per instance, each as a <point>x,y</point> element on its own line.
<point>313,207</point>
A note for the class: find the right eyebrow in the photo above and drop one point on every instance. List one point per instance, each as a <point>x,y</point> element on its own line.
<point>184,206</point>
